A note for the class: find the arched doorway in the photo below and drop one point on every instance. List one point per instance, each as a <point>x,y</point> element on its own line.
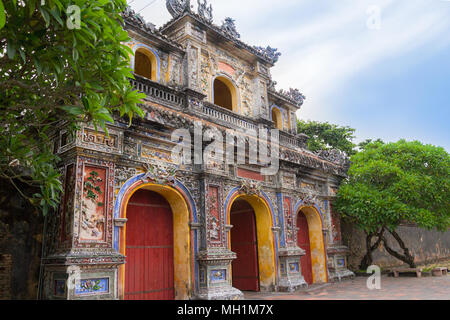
<point>244,244</point>
<point>304,243</point>
<point>310,238</point>
<point>145,64</point>
<point>225,94</point>
<point>183,257</point>
<point>265,244</point>
<point>149,248</point>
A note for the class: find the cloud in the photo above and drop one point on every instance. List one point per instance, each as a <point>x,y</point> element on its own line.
<point>326,45</point>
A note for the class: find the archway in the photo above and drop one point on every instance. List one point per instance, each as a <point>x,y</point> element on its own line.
<point>265,244</point>
<point>244,244</point>
<point>225,93</point>
<point>182,259</point>
<point>310,238</point>
<point>149,248</point>
<point>277,118</point>
<point>145,64</point>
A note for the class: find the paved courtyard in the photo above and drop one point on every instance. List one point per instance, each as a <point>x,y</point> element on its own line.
<point>403,288</point>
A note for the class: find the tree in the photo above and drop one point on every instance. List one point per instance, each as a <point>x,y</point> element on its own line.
<point>395,183</point>
<point>325,136</point>
<point>61,61</point>
<point>362,145</point>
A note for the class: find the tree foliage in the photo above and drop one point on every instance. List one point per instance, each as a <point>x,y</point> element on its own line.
<point>393,183</point>
<point>325,136</point>
<point>61,61</point>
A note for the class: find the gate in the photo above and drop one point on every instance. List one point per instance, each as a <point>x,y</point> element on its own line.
<point>149,269</point>
<point>244,244</point>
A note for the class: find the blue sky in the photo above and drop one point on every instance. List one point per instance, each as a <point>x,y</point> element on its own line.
<point>379,66</point>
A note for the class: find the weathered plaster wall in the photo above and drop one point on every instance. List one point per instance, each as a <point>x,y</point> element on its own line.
<point>426,246</point>
<point>21,230</point>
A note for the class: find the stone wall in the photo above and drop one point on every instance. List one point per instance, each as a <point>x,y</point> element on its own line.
<point>427,246</point>
<point>21,228</point>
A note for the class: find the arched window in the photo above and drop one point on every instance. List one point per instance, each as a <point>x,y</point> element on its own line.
<point>277,118</point>
<point>225,94</point>
<point>145,64</point>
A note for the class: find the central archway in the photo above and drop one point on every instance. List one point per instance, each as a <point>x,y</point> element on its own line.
<point>149,248</point>
<point>265,244</point>
<point>182,257</point>
<point>244,243</point>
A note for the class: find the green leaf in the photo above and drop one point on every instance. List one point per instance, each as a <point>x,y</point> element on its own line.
<point>75,54</point>
<point>2,15</point>
<point>55,14</point>
<point>11,50</point>
<point>46,16</point>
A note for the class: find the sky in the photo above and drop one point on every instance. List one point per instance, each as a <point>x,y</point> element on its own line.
<point>379,66</point>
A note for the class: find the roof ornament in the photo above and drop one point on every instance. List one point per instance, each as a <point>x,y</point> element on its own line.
<point>138,19</point>
<point>229,27</point>
<point>177,7</point>
<point>269,53</point>
<point>294,95</point>
<point>204,11</point>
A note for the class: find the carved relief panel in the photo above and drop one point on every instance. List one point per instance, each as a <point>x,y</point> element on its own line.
<point>215,217</point>
<point>94,204</point>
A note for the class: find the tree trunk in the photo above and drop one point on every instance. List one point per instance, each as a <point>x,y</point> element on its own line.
<point>367,260</point>
<point>407,257</point>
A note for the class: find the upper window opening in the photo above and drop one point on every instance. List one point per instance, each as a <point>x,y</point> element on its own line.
<point>277,118</point>
<point>145,64</point>
<point>225,94</point>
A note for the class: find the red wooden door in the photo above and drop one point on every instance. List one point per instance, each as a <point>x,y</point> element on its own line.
<point>149,266</point>
<point>244,244</point>
<point>305,244</point>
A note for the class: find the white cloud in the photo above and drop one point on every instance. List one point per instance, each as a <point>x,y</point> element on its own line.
<point>326,44</point>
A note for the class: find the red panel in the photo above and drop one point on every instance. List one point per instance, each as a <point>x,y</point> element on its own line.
<point>244,244</point>
<point>305,244</point>
<point>149,248</point>
<point>243,173</point>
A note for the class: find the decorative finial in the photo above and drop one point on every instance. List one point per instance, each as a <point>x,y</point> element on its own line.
<point>229,27</point>
<point>204,11</point>
<point>177,7</point>
<point>269,53</point>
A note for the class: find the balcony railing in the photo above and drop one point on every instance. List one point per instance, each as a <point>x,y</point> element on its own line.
<point>167,96</point>
<point>157,91</point>
<point>216,112</point>
<point>293,141</point>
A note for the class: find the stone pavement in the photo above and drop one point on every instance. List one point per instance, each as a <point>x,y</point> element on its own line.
<point>403,288</point>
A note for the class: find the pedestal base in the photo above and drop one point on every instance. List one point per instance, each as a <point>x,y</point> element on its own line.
<point>219,294</point>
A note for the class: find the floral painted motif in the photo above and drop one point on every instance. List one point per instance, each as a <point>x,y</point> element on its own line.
<point>93,205</point>
<point>92,286</point>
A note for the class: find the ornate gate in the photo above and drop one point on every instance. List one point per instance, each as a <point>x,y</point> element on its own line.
<point>244,244</point>
<point>305,244</point>
<point>149,271</point>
